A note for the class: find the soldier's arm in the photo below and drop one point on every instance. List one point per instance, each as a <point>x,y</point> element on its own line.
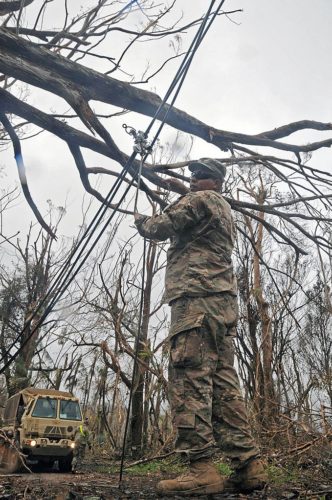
<point>178,217</point>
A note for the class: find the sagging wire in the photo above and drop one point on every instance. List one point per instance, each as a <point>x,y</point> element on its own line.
<point>203,29</point>
<point>60,288</point>
<point>103,208</point>
<point>96,220</point>
<point>181,74</point>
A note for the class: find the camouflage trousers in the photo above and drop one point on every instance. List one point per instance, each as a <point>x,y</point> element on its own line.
<point>208,409</point>
<point>79,454</point>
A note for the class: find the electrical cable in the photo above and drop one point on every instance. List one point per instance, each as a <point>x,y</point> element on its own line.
<point>60,292</point>
<point>102,209</point>
<point>114,188</point>
<point>138,338</point>
<point>95,221</point>
<point>181,73</point>
<point>180,76</point>
<point>138,184</point>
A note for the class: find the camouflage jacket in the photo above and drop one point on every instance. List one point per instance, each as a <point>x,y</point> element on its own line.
<point>82,435</point>
<point>201,230</point>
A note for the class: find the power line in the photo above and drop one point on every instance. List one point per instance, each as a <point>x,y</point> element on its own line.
<point>64,278</point>
<point>103,208</point>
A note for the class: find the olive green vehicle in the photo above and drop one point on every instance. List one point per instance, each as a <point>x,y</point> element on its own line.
<point>38,427</point>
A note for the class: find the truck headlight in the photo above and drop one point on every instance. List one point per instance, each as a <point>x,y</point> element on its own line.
<point>33,442</point>
<point>72,445</point>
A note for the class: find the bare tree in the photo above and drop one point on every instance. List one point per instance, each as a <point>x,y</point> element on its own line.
<point>115,306</point>
<point>24,285</point>
<point>316,341</point>
<point>283,204</point>
<point>7,198</point>
<point>50,62</point>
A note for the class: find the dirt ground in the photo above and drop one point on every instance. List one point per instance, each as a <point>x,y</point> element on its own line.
<point>52,485</point>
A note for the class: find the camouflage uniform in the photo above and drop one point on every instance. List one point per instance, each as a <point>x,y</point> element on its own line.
<point>207,406</point>
<point>82,440</point>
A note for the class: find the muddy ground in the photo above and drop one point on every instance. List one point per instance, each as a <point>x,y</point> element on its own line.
<point>52,485</point>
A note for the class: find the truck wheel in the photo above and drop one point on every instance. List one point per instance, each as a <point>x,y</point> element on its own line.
<point>65,464</point>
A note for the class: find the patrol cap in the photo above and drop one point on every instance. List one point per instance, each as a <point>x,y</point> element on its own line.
<point>212,165</point>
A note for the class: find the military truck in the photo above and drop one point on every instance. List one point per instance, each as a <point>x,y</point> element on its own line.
<point>38,427</point>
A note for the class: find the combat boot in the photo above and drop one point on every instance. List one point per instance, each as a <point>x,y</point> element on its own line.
<point>201,479</point>
<point>252,476</point>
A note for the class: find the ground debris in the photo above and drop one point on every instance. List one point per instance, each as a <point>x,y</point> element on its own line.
<point>104,485</point>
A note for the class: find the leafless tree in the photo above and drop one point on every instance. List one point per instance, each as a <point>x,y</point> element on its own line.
<point>113,300</point>
<point>7,199</point>
<point>24,283</point>
<point>283,204</point>
<point>50,62</point>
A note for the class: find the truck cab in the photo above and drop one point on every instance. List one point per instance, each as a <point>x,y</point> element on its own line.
<point>39,425</point>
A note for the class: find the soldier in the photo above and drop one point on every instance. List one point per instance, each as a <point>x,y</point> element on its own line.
<point>82,440</point>
<point>208,409</point>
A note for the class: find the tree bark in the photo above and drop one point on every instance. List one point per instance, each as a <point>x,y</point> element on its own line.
<point>139,416</point>
<point>77,84</point>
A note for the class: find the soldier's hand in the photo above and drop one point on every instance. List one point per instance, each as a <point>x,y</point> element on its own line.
<point>139,218</point>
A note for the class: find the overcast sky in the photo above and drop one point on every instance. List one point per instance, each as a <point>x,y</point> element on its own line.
<point>269,66</point>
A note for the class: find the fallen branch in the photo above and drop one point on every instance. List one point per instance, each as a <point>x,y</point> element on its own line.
<point>149,459</point>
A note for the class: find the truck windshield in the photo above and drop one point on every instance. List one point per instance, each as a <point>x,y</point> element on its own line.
<point>70,410</point>
<point>45,408</point>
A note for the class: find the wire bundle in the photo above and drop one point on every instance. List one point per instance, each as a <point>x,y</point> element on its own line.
<point>91,236</point>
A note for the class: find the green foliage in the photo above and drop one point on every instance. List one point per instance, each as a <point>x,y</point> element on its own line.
<point>170,466</point>
<point>145,354</point>
<point>142,469</point>
<point>224,469</point>
<point>279,475</point>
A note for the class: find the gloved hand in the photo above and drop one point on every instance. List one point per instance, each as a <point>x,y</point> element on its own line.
<point>139,218</point>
